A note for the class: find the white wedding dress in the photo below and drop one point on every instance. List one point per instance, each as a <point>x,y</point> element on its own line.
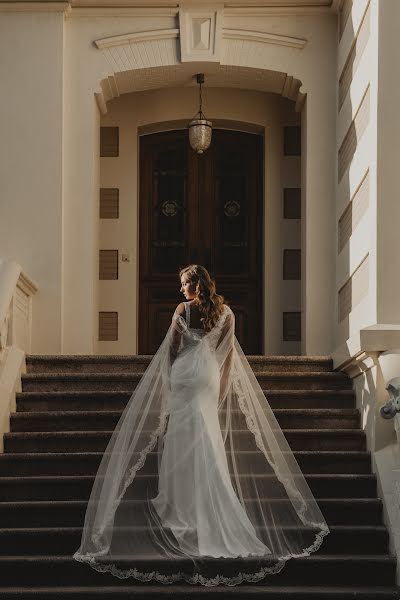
<point>197,482</point>
<point>196,498</point>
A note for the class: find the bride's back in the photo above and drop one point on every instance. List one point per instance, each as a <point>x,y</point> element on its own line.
<point>195,316</point>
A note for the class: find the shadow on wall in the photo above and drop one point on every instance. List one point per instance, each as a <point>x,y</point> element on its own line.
<point>352,183</point>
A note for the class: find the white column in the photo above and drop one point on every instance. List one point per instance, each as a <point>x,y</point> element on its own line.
<point>81,214</point>
<point>388,165</point>
<point>318,219</point>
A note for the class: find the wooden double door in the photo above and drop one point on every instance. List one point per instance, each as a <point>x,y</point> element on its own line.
<point>205,209</point>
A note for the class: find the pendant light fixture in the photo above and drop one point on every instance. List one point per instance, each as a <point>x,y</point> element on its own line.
<point>200,130</point>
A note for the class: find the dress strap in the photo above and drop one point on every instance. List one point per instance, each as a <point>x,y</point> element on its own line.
<point>187,307</point>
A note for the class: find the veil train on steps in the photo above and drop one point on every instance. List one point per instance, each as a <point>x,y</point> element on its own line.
<point>198,482</point>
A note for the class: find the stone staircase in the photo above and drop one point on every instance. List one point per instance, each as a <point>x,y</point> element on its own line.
<point>65,415</point>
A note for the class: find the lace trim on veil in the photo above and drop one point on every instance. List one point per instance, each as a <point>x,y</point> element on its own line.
<point>197,578</point>
<point>152,442</point>
<point>150,446</point>
<point>259,443</point>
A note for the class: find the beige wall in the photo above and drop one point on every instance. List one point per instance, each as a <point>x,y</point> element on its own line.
<point>314,65</point>
<point>81,152</point>
<point>371,325</point>
<point>132,111</point>
<point>57,70</point>
<point>31,161</point>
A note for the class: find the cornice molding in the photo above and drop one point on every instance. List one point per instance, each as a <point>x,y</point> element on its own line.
<point>264,37</point>
<point>127,11</point>
<point>165,43</point>
<point>34,6</point>
<point>140,36</point>
<point>133,11</point>
<point>233,6</point>
<point>277,11</point>
<point>233,34</point>
<point>105,8</point>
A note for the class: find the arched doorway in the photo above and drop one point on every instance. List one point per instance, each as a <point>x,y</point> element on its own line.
<point>206,209</point>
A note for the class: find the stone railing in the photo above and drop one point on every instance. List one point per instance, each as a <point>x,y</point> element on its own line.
<point>372,359</point>
<point>16,292</point>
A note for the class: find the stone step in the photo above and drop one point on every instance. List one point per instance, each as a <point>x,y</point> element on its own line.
<point>87,463</point>
<point>139,363</point>
<point>80,420</point>
<point>317,569</point>
<point>344,540</point>
<point>56,382</point>
<point>65,415</point>
<point>78,487</point>
<point>117,400</point>
<point>96,441</point>
<point>185,591</point>
<point>71,513</point>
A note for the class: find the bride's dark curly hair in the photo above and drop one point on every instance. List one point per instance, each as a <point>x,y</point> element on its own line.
<point>209,302</point>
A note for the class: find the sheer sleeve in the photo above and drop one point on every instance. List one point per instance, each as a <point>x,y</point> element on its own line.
<point>225,348</point>
<point>175,336</point>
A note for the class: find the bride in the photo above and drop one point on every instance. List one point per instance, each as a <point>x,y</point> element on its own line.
<point>197,482</point>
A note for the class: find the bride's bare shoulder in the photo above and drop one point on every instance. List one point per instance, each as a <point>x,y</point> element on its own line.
<point>180,309</point>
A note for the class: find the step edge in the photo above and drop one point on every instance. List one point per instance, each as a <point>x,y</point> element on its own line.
<point>325,453</point>
<point>337,412</point>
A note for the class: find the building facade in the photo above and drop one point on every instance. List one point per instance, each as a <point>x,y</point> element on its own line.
<point>95,167</point>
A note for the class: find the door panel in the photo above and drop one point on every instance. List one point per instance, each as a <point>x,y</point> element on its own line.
<point>204,209</point>
<point>165,230</point>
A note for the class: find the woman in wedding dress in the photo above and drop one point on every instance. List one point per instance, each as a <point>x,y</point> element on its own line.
<point>197,482</point>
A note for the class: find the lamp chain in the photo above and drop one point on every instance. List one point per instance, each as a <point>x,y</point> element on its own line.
<point>200,100</point>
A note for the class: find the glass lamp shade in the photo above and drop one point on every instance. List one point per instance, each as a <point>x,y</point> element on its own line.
<point>200,131</point>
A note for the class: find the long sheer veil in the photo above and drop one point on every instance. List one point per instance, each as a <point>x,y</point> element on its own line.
<point>123,533</point>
